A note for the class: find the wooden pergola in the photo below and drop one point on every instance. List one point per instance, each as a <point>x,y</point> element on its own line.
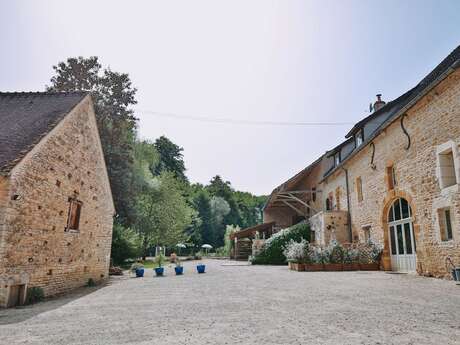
<point>264,228</point>
<point>295,199</point>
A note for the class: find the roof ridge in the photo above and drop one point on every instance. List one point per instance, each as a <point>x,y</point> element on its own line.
<point>42,93</point>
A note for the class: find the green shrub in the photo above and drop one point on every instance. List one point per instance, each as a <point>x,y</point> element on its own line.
<point>126,244</point>
<point>272,250</point>
<point>34,295</point>
<point>91,282</point>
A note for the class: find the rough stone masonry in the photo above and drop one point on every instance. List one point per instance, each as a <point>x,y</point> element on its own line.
<point>61,179</point>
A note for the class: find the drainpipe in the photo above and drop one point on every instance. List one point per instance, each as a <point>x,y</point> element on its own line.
<point>350,232</point>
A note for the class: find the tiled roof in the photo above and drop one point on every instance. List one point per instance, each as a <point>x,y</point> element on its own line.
<point>26,117</point>
<point>398,103</point>
<point>398,106</point>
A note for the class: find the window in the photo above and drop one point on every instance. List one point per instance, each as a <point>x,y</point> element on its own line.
<point>366,233</point>
<point>359,189</point>
<point>359,138</point>
<point>313,194</point>
<point>328,204</point>
<point>337,159</point>
<point>447,169</point>
<point>391,177</point>
<point>73,217</point>
<point>445,224</point>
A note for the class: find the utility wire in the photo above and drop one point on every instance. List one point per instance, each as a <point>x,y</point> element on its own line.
<point>240,122</point>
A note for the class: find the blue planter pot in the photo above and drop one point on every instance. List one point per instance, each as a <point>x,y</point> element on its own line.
<point>200,268</point>
<point>179,270</point>
<point>159,271</point>
<point>139,272</point>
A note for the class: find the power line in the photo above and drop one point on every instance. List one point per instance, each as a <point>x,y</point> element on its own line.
<point>240,122</point>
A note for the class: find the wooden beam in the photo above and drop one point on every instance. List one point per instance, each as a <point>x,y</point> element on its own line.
<point>295,209</point>
<point>303,203</point>
<point>300,191</point>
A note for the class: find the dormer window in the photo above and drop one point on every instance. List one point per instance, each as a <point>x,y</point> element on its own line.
<point>337,159</point>
<point>359,138</point>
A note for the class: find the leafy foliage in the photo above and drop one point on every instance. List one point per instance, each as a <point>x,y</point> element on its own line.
<point>272,251</point>
<point>126,244</point>
<point>154,201</point>
<point>230,229</point>
<point>171,158</point>
<point>112,94</point>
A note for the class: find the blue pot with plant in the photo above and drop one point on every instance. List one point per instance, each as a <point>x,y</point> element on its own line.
<point>138,269</point>
<point>159,270</point>
<point>179,268</point>
<point>139,272</point>
<point>200,268</point>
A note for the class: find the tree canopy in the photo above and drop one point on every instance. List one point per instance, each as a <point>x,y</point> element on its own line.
<point>154,200</point>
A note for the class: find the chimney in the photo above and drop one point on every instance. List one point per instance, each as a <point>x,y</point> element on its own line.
<point>379,103</point>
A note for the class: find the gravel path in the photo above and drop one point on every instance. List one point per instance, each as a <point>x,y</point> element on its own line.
<point>246,305</point>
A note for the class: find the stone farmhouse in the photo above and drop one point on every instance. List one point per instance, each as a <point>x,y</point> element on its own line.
<point>56,206</point>
<point>394,179</point>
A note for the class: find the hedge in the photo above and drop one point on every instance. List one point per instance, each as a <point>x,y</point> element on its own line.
<point>272,251</point>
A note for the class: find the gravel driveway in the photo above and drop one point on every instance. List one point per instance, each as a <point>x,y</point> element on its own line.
<point>246,305</point>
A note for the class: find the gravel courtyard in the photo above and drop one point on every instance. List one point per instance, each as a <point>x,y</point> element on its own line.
<point>245,305</point>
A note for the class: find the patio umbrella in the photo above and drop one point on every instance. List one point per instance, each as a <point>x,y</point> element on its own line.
<point>180,245</point>
<point>206,247</point>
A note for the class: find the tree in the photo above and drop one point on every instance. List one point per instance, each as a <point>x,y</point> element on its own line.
<point>202,204</point>
<point>112,94</point>
<point>219,209</point>
<point>217,187</point>
<point>163,213</point>
<point>171,158</point>
<point>126,244</point>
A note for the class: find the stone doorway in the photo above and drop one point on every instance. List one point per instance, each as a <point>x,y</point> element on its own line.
<point>402,244</point>
<point>16,295</point>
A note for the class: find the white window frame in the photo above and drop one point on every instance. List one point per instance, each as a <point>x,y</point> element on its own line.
<point>359,138</point>
<point>449,146</point>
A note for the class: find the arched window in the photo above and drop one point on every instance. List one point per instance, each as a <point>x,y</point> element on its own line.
<point>399,210</point>
<point>328,204</point>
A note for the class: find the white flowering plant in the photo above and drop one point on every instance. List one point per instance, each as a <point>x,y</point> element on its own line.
<point>296,251</point>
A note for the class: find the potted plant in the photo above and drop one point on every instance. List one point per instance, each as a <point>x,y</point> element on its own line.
<point>138,269</point>
<point>351,259</point>
<point>334,256</point>
<point>179,268</point>
<point>201,268</point>
<point>159,269</point>
<point>295,254</point>
<point>315,259</point>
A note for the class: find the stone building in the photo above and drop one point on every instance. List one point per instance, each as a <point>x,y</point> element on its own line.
<point>395,179</point>
<point>56,206</point>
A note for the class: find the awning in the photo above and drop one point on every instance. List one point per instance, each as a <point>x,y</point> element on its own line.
<point>249,232</point>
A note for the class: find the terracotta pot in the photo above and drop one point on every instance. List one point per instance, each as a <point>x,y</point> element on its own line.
<point>333,267</point>
<point>291,265</point>
<point>350,267</point>
<point>313,267</point>
<point>297,267</point>
<point>369,267</point>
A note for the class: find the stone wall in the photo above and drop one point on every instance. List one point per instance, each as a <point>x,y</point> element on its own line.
<point>335,186</point>
<point>330,225</point>
<point>282,216</point>
<point>432,122</point>
<point>36,249</point>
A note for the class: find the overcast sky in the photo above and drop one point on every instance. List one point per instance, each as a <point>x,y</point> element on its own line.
<point>290,61</point>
